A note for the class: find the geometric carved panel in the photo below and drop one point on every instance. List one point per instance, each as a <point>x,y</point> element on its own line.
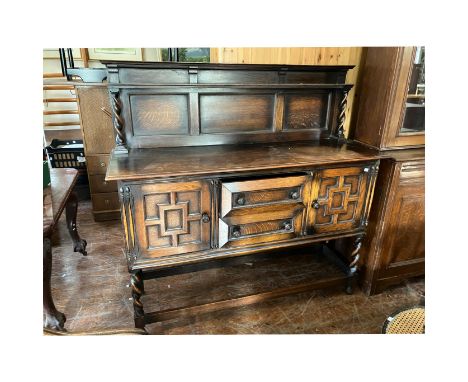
<point>173,218</point>
<point>340,198</point>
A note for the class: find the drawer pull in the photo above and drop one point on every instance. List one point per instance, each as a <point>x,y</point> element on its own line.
<point>205,218</point>
<point>315,204</point>
<point>103,164</point>
<point>294,194</point>
<point>287,225</point>
<point>236,232</point>
<point>240,200</point>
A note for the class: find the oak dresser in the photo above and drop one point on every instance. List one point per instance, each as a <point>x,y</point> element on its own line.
<point>220,161</point>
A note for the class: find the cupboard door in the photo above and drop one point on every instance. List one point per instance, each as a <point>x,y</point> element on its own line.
<point>172,218</point>
<point>338,199</point>
<point>262,210</point>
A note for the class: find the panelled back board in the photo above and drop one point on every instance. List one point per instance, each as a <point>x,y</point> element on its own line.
<point>167,105</point>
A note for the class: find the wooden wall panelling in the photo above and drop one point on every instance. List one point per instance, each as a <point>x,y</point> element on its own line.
<point>300,56</point>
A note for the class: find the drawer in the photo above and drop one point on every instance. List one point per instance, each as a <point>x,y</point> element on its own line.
<point>97,164</point>
<point>98,184</point>
<point>412,170</point>
<point>262,210</point>
<point>242,195</point>
<point>108,201</point>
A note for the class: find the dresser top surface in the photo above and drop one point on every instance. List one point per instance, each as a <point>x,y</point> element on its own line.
<point>218,66</point>
<point>170,162</point>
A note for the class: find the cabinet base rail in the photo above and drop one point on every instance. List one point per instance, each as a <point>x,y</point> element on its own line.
<point>142,318</point>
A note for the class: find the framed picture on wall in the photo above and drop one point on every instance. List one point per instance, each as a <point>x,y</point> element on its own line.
<point>54,53</point>
<point>120,54</point>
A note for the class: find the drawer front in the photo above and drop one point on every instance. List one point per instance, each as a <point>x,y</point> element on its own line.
<point>413,171</point>
<point>339,198</point>
<point>97,184</point>
<point>262,210</point>
<point>172,218</point>
<point>97,164</point>
<point>108,201</point>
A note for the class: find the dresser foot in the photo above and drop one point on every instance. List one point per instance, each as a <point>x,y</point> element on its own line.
<point>53,319</point>
<point>79,244</point>
<point>136,281</point>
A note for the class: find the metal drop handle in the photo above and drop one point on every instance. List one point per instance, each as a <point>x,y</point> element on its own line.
<point>294,194</point>
<point>287,225</point>
<point>315,204</point>
<point>205,218</point>
<point>240,200</point>
<point>236,232</point>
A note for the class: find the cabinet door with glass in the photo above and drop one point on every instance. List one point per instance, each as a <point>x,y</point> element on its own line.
<point>409,109</point>
<point>392,103</point>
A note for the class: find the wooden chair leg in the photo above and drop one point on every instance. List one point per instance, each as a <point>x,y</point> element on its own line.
<point>79,245</point>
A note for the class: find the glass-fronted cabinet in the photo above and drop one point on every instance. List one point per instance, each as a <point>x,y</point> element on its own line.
<point>413,121</point>
<point>392,102</point>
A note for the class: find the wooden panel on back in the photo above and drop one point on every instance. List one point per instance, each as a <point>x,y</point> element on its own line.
<point>236,113</point>
<point>237,77</point>
<point>306,111</point>
<point>159,114</point>
<point>154,76</point>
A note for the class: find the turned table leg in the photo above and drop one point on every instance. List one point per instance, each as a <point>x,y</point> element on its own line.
<point>353,266</point>
<point>53,318</point>
<point>136,282</point>
<point>79,245</point>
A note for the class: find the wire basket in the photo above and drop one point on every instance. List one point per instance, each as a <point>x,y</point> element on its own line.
<point>66,154</point>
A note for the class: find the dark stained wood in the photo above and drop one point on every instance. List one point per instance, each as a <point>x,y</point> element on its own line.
<point>170,314</point>
<point>159,114</point>
<point>306,111</point>
<point>231,159</point>
<point>169,218</point>
<point>102,277</point>
<point>105,201</point>
<point>191,190</point>
<point>56,195</point>
<point>385,77</point>
<point>236,113</point>
<point>208,104</point>
<point>56,198</point>
<point>339,199</point>
<point>394,248</point>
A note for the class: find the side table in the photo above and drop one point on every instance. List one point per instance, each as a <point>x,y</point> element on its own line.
<point>57,197</point>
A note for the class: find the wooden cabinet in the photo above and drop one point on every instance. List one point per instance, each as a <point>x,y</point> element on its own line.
<point>391,101</point>
<point>395,246</point>
<point>390,117</point>
<point>98,138</point>
<point>219,161</point>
